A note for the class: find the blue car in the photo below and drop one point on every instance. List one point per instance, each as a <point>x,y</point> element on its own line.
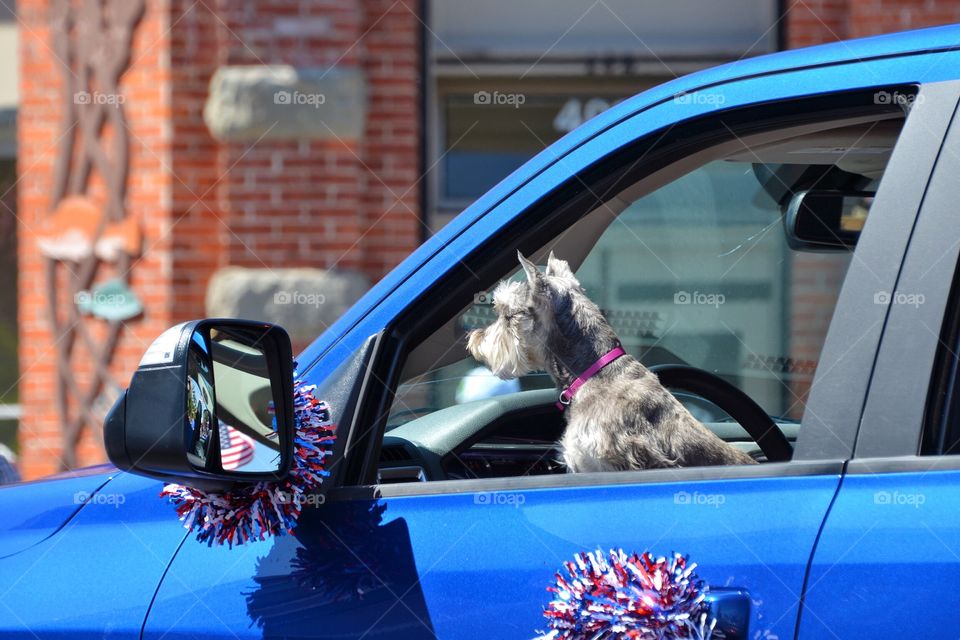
<point>778,237</point>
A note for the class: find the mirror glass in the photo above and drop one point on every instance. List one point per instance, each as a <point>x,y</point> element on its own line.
<point>229,423</point>
<point>826,220</point>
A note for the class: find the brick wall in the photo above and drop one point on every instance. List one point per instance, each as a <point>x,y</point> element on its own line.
<point>390,151</point>
<point>148,190</point>
<point>351,204</point>
<point>811,22</point>
<point>197,235</point>
<point>337,203</point>
<point>348,204</point>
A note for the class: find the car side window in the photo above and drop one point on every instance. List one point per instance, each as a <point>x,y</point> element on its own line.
<point>941,430</point>
<point>712,269</point>
<point>700,273</point>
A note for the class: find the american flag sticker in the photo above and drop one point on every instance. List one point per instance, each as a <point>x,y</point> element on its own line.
<point>236,449</point>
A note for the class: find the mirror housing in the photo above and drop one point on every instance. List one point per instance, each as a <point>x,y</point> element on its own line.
<point>826,220</point>
<point>209,406</point>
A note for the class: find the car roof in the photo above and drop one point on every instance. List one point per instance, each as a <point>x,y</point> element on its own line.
<point>894,45</point>
<point>841,52</point>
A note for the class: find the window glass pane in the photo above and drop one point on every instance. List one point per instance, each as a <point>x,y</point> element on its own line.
<point>699,273</point>
<point>9,367</point>
<point>490,133</point>
<point>703,271</point>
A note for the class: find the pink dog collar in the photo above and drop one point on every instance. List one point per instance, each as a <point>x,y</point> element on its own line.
<point>567,394</point>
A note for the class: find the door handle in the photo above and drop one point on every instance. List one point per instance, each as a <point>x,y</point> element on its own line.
<point>730,607</point>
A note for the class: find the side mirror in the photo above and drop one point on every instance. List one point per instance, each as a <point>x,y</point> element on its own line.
<point>210,405</point>
<point>826,220</point>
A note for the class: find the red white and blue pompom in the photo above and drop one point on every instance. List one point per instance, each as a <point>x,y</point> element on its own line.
<point>264,509</point>
<point>620,596</point>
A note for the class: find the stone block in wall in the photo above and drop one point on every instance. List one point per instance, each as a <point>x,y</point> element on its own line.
<point>304,301</point>
<point>282,102</point>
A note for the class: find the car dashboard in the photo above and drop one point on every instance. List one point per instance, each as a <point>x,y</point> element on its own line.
<point>505,436</point>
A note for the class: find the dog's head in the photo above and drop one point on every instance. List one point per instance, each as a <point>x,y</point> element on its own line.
<point>517,342</point>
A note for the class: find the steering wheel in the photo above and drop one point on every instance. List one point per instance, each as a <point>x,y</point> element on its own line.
<point>735,402</point>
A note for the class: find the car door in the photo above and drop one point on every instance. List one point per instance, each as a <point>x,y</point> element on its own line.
<point>891,536</point>
<point>473,558</point>
<point>486,549</point>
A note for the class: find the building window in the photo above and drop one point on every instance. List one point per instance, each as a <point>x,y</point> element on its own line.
<point>487,129</point>
<point>504,79</point>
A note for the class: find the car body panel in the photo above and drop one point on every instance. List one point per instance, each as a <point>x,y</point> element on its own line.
<point>887,561</point>
<point>97,576</point>
<point>34,512</point>
<point>478,565</point>
<point>324,580</point>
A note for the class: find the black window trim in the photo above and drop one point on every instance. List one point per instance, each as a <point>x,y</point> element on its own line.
<point>343,396</point>
<point>943,400</point>
<point>563,205</point>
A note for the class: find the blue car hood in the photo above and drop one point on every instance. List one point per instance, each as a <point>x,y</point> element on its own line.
<point>31,512</point>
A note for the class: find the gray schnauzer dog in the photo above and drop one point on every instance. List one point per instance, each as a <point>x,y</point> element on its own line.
<point>619,416</point>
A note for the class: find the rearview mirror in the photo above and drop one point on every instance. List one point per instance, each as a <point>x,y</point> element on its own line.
<point>210,405</point>
<point>826,220</point>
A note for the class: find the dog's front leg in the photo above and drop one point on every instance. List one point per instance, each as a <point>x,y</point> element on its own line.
<point>579,454</point>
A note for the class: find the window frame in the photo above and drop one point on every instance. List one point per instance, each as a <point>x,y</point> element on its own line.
<point>903,402</point>
<point>551,211</point>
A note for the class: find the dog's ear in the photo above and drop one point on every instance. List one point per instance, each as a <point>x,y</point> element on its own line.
<point>559,268</point>
<point>529,267</point>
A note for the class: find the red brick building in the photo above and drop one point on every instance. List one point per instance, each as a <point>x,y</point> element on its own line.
<point>202,203</point>
<point>351,187</point>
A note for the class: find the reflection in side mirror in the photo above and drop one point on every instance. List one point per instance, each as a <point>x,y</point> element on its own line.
<point>826,220</point>
<point>211,404</point>
<point>231,429</point>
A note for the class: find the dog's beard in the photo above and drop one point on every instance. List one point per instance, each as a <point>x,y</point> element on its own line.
<point>499,349</point>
